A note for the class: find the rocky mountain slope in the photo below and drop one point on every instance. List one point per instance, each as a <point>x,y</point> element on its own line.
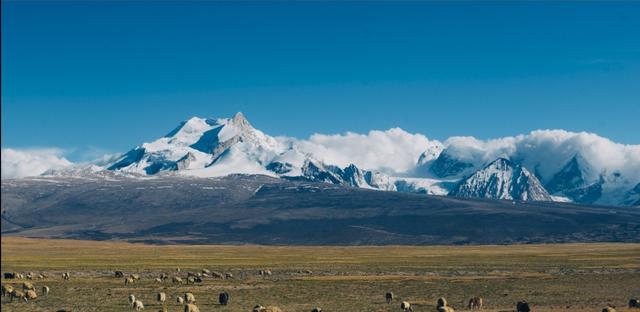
<point>502,179</point>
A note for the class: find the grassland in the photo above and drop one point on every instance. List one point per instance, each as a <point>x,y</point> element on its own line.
<point>567,277</point>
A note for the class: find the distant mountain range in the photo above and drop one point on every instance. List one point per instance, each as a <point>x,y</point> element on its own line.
<point>537,167</point>
<point>109,205</point>
<point>223,181</point>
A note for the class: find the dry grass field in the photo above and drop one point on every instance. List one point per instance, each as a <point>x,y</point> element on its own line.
<point>568,277</point>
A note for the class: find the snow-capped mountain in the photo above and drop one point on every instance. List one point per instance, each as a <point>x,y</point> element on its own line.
<point>543,165</point>
<point>568,178</point>
<point>218,147</point>
<point>502,179</point>
<point>446,165</point>
<point>205,147</point>
<point>570,182</point>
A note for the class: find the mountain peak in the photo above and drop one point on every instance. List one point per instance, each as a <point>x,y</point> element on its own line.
<point>502,163</point>
<point>502,179</point>
<point>569,180</point>
<point>502,160</point>
<point>240,120</point>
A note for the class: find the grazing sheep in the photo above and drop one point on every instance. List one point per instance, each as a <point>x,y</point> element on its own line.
<point>634,303</point>
<point>135,276</point>
<point>45,290</point>
<point>316,310</point>
<point>179,300</point>
<point>28,286</point>
<point>119,274</point>
<point>441,302</point>
<point>138,305</point>
<point>29,276</point>
<point>205,271</point>
<point>223,298</point>
<point>189,298</point>
<point>228,275</point>
<point>405,306</point>
<point>164,276</point>
<point>10,275</point>
<point>66,276</point>
<point>161,297</point>
<point>41,276</point>
<point>177,269</point>
<point>131,299</point>
<point>191,280</point>
<point>191,308</point>
<point>18,294</point>
<point>475,303</point>
<point>128,281</point>
<point>260,308</point>
<point>158,280</point>
<point>609,309</point>
<point>215,274</point>
<point>388,297</point>
<point>523,306</point>
<point>6,290</point>
<point>441,305</point>
<point>30,295</point>
<point>176,280</point>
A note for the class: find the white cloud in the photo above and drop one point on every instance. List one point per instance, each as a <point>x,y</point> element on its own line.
<point>391,151</point>
<point>396,151</point>
<point>547,151</point>
<point>473,150</point>
<point>17,163</point>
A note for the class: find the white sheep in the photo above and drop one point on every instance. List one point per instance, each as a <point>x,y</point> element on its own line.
<point>138,305</point>
<point>162,297</point>
<point>406,306</point>
<point>30,295</point>
<point>189,298</point>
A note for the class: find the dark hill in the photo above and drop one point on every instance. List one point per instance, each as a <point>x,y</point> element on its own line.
<point>264,210</point>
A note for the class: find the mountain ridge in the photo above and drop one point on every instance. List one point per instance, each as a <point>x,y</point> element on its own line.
<point>267,210</point>
<point>208,147</point>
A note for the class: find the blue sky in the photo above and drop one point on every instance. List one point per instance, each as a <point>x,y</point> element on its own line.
<point>111,75</point>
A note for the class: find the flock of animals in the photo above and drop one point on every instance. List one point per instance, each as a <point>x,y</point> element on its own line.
<point>188,300</point>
